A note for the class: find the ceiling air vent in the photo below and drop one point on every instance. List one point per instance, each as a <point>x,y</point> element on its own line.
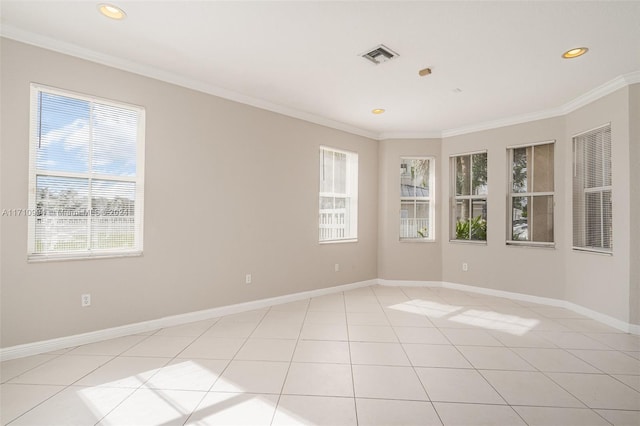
<point>380,54</point>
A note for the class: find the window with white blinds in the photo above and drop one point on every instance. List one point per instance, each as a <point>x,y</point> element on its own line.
<point>531,194</point>
<point>416,198</point>
<point>592,208</point>
<point>86,182</point>
<point>338,214</point>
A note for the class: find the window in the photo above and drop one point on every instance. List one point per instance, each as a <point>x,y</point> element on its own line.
<point>416,198</point>
<point>469,210</point>
<point>338,215</point>
<point>86,176</point>
<point>592,209</point>
<point>531,194</point>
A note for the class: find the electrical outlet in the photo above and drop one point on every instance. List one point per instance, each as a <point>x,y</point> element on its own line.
<point>85,300</point>
<point>247,279</point>
<point>336,267</point>
<point>465,267</point>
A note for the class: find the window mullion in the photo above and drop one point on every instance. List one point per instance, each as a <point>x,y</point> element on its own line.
<point>90,180</point>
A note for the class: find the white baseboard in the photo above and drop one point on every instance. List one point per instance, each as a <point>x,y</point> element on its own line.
<point>35,348</point>
<point>44,346</point>
<point>600,317</point>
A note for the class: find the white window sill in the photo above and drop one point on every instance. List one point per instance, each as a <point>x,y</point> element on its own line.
<point>472,242</point>
<point>416,240</point>
<point>37,258</point>
<point>346,240</point>
<point>531,244</point>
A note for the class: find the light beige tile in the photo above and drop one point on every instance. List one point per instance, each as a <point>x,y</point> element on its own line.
<point>369,333</point>
<point>369,353</point>
<point>554,360</point>
<point>252,377</point>
<point>611,362</point>
<point>621,417</point>
<point>586,325</point>
<point>629,380</point>
<point>267,350</point>
<point>470,337</point>
<point>571,340</point>
<point>323,351</point>
<point>435,356</point>
<point>292,317</point>
<point>527,340</point>
<point>75,406</point>
<point>367,318</point>
<point>299,305</point>
<point>14,367</point>
<point>457,385</point>
<point>477,414</point>
<point>387,412</point>
<point>599,390</point>
<point>549,416</point>
<point>315,410</point>
<point>421,335</point>
<point>362,306</point>
<point>326,317</point>
<point>187,374</point>
<point>208,347</point>
<point>64,370</point>
<point>494,358</point>
<point>108,347</point>
<point>313,379</point>
<point>18,399</point>
<point>326,303</point>
<point>619,341</point>
<point>277,329</point>
<point>221,408</point>
<point>124,372</point>
<point>373,381</point>
<point>529,388</point>
<point>160,346</point>
<point>192,329</point>
<point>231,329</point>
<point>154,407</point>
<point>324,332</point>
<point>253,317</point>
<point>407,319</point>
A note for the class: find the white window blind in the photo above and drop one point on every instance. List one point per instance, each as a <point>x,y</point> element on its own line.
<point>86,186</point>
<point>338,214</point>
<point>416,198</point>
<point>469,197</point>
<point>531,194</point>
<point>592,207</point>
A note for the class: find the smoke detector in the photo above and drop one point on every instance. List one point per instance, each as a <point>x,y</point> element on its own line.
<point>379,54</point>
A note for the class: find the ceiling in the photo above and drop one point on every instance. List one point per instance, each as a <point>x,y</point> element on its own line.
<point>302,58</point>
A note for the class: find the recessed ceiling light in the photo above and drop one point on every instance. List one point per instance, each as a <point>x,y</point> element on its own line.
<point>111,11</point>
<point>574,53</point>
<point>377,111</point>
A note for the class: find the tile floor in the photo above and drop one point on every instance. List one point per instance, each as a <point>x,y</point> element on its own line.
<point>376,355</point>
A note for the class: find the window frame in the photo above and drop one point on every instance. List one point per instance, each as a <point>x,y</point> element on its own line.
<point>351,194</point>
<point>89,175</point>
<point>430,200</point>
<point>511,195</point>
<point>584,190</point>
<point>470,198</point>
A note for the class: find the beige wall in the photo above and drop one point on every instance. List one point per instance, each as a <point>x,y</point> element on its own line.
<point>596,281</point>
<point>535,271</point>
<point>634,179</point>
<point>406,260</point>
<point>247,182</point>
<point>233,167</point>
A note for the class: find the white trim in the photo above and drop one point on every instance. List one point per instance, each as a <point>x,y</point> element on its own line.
<point>527,145</point>
<point>597,316</point>
<point>14,33</point>
<point>35,348</point>
<point>20,35</point>
<point>44,346</point>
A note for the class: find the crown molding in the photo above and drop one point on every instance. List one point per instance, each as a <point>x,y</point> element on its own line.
<point>13,33</point>
<point>27,37</point>
<point>417,135</point>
